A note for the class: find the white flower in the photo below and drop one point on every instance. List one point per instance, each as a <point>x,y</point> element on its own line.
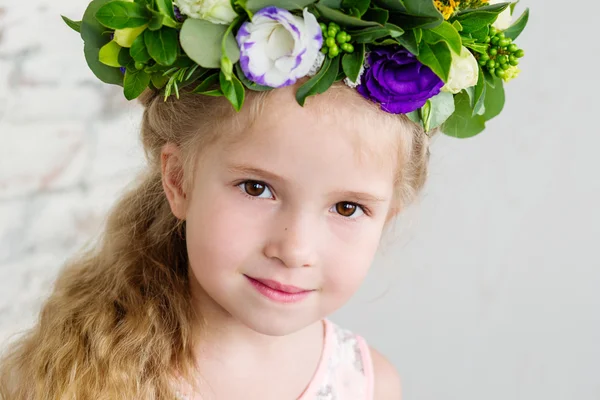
<point>504,20</point>
<point>215,11</point>
<point>464,72</point>
<point>277,48</point>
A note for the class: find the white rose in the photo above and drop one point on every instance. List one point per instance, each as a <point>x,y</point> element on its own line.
<point>215,11</point>
<point>504,20</point>
<point>464,72</point>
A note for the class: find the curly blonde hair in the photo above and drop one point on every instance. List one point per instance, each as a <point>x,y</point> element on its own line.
<point>119,323</point>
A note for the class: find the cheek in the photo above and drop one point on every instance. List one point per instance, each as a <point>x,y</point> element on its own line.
<point>349,264</point>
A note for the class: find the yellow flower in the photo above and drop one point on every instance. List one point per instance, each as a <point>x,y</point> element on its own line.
<point>447,7</point>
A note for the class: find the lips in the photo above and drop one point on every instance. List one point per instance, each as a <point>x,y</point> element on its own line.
<point>290,289</point>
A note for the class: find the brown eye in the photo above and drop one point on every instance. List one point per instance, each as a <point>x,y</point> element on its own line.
<point>254,188</point>
<point>346,209</point>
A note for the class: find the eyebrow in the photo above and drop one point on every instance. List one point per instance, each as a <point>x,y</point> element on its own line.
<point>357,196</point>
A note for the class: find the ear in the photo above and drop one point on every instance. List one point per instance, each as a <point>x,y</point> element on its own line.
<point>172,179</point>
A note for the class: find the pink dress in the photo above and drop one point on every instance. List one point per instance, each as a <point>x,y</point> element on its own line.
<point>345,371</point>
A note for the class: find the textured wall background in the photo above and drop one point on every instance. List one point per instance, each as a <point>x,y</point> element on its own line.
<point>488,289</point>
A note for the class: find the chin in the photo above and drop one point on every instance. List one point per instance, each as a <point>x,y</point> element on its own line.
<point>276,325</point>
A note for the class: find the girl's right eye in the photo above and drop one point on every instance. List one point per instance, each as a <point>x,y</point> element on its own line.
<point>256,189</point>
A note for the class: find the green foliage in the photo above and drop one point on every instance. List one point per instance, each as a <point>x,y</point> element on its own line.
<point>519,25</point>
<point>233,90</point>
<point>75,25</point>
<point>437,57</point>
<point>321,81</point>
<point>135,83</point>
<point>162,45</point>
<point>201,41</point>
<point>353,62</point>
<point>122,14</point>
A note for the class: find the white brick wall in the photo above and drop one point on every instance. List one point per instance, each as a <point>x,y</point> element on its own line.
<point>69,145</point>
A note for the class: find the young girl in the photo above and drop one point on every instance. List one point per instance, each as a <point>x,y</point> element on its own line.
<point>217,271</point>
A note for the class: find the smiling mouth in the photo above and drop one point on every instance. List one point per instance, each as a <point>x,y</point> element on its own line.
<point>278,291</point>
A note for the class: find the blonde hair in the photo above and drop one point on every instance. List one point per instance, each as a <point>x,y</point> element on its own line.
<point>119,322</point>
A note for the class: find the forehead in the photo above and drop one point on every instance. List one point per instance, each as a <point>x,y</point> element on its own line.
<point>337,126</point>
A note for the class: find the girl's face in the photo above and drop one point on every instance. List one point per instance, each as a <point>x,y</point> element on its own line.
<point>282,224</point>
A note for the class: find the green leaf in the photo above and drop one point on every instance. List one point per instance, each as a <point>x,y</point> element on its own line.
<point>376,14</point>
<point>92,32</point>
<point>415,117</point>
<point>207,86</point>
<point>138,50</point>
<point>321,81</point>
<point>489,78</point>
<point>135,83</point>
<point>156,22</point>
<point>477,47</point>
<point>444,32</point>
<point>158,80</point>
<point>353,62</point>
<point>256,5</point>
<point>479,92</point>
<point>515,29</point>
<point>441,107</point>
<point>342,19</point>
<point>233,90</point>
<point>360,5</point>
<point>122,14</point>
<point>109,54</point>
<point>166,8</point>
<point>247,82</point>
<point>409,41</point>
<point>462,124</point>
<point>479,18</point>
<point>75,25</point>
<point>162,45</point>
<point>421,8</point>
<point>201,41</point>
<point>103,72</point>
<point>372,33</point>
<point>494,100</point>
<point>480,34</point>
<point>438,57</point>
<point>457,26</point>
<point>124,57</point>
<point>411,22</point>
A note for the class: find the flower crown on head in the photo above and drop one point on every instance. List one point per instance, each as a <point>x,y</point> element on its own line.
<point>443,63</point>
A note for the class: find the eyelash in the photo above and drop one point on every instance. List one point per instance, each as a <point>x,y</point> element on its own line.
<point>364,208</point>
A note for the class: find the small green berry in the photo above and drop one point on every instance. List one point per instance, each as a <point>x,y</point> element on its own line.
<point>500,35</point>
<point>500,73</point>
<point>323,26</point>
<point>331,33</point>
<point>505,66</point>
<point>520,53</point>
<point>493,51</point>
<point>503,59</point>
<point>334,51</point>
<point>482,62</point>
<point>330,41</point>
<point>347,47</point>
<point>324,49</point>
<point>513,48</point>
<point>139,65</point>
<point>491,64</point>
<point>504,42</point>
<point>341,37</point>
<point>495,40</point>
<point>514,63</point>
<point>484,57</point>
<point>493,31</point>
<point>492,71</point>
<point>487,39</point>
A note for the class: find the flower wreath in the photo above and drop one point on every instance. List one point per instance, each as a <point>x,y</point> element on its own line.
<point>441,62</point>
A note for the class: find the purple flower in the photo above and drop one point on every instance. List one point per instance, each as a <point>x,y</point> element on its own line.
<point>397,80</point>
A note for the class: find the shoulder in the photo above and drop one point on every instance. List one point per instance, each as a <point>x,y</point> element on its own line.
<point>387,381</point>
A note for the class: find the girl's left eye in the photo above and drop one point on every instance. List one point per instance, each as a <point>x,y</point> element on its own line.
<point>256,189</point>
<point>348,210</point>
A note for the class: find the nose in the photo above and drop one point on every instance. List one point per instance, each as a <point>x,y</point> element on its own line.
<point>293,241</point>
